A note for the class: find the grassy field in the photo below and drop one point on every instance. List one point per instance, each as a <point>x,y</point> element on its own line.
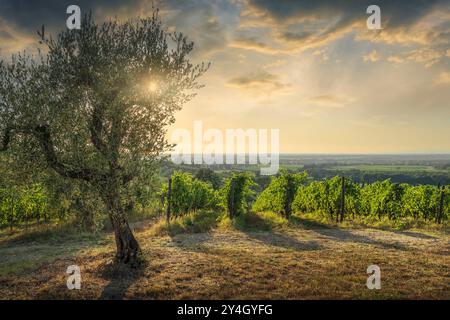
<point>299,259</point>
<point>378,168</point>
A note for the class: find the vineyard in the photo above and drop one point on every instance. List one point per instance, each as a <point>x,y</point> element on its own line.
<point>337,198</point>
<point>22,205</point>
<point>294,237</point>
<point>294,180</point>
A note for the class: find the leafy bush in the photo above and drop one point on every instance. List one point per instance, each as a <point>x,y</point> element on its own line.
<point>237,193</point>
<point>22,204</point>
<point>189,194</point>
<point>372,201</point>
<point>421,201</point>
<point>323,196</point>
<point>280,193</point>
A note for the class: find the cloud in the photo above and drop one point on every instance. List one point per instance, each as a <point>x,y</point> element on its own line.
<point>443,78</point>
<point>394,13</point>
<point>29,15</point>
<point>259,80</point>
<point>290,26</point>
<point>300,25</point>
<point>197,19</point>
<point>430,28</point>
<point>322,54</point>
<point>275,64</point>
<point>253,44</point>
<point>396,59</point>
<point>204,22</point>
<point>425,56</point>
<point>371,56</point>
<point>13,40</point>
<point>19,20</point>
<point>330,100</point>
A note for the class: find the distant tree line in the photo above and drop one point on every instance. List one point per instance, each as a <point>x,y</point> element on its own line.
<point>320,172</point>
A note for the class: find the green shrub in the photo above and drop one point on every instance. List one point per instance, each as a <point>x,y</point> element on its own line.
<point>373,201</point>
<point>190,194</point>
<point>280,193</point>
<point>236,193</point>
<point>22,204</point>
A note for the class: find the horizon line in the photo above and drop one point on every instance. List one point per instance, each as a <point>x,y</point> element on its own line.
<point>338,153</point>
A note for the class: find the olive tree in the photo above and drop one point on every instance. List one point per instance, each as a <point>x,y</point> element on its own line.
<point>95,104</point>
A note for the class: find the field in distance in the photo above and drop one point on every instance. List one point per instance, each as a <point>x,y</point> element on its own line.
<point>391,168</point>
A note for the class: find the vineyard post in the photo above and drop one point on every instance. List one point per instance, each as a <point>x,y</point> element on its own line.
<point>436,219</point>
<point>231,200</point>
<point>441,205</point>
<point>342,205</point>
<point>169,195</point>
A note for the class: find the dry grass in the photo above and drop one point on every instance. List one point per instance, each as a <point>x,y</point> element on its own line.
<point>302,260</point>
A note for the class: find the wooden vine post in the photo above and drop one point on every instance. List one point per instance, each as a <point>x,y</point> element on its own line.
<point>342,204</point>
<point>441,205</point>
<point>231,208</point>
<point>169,195</point>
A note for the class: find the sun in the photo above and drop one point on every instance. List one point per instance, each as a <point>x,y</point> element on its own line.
<point>152,86</point>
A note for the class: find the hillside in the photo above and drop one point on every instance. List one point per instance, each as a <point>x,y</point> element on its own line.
<point>303,260</point>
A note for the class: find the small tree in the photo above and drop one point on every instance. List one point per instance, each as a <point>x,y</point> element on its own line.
<point>97,105</point>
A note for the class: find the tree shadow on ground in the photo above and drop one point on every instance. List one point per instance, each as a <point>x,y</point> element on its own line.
<point>198,242</point>
<point>120,277</point>
<point>262,230</point>
<point>415,234</point>
<point>193,242</point>
<point>339,234</point>
<point>308,224</point>
<point>282,240</point>
<point>49,235</point>
<point>257,229</point>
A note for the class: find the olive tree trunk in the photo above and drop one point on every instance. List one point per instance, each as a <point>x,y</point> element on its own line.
<point>128,249</point>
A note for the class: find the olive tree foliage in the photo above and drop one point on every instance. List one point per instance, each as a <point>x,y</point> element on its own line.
<point>96,106</point>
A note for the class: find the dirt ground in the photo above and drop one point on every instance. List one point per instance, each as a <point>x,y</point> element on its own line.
<point>310,261</point>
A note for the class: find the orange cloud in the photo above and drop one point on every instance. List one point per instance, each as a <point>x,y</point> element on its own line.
<point>443,78</point>
<point>371,56</point>
<point>260,81</point>
<point>331,100</point>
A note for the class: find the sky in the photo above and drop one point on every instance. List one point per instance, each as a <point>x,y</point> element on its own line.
<point>311,69</point>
